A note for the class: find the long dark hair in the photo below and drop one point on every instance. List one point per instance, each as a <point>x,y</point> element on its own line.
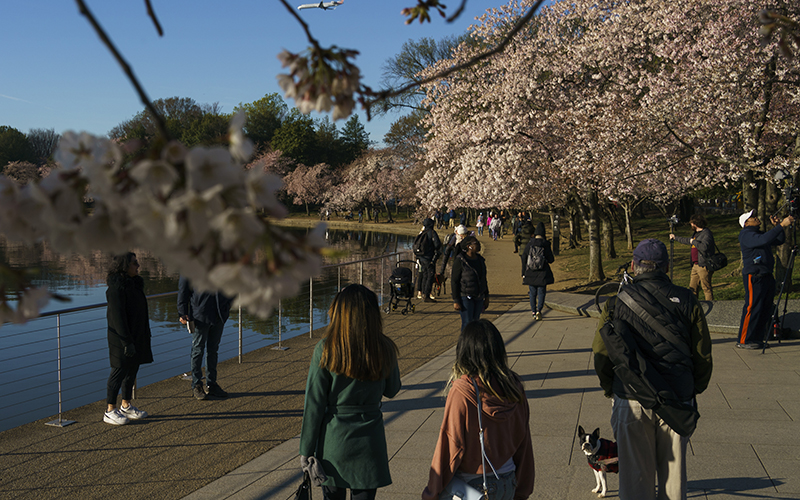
<point>119,266</point>
<point>355,345</point>
<point>481,353</point>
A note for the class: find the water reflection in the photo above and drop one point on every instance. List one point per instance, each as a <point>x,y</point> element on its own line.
<point>28,353</point>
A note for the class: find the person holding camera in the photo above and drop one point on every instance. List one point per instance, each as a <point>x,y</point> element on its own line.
<point>759,283</point>
<point>702,243</point>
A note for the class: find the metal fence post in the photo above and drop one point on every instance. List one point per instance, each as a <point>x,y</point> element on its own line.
<point>310,307</point>
<point>279,347</point>
<point>59,422</point>
<point>240,334</point>
<point>361,273</point>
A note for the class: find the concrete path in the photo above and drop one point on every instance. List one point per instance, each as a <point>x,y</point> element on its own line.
<point>744,446</point>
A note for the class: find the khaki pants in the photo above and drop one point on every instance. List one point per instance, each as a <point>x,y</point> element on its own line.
<point>649,452</point>
<point>701,277</point>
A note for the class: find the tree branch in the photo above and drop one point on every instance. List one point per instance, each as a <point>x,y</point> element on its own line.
<point>387,93</point>
<point>125,67</point>
<point>152,14</point>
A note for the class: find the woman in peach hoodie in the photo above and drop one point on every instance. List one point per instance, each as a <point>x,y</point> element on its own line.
<point>481,357</point>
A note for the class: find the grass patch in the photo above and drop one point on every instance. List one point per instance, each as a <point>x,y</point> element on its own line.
<point>571,267</point>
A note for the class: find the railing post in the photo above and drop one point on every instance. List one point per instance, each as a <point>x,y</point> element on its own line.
<point>361,273</point>
<point>279,347</point>
<point>381,292</point>
<point>338,278</point>
<point>241,345</point>
<point>59,422</point>
<point>310,307</point>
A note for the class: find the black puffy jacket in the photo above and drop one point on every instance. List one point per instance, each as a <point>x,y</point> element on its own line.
<point>469,277</point>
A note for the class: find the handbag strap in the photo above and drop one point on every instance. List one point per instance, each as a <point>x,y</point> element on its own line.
<point>484,458</point>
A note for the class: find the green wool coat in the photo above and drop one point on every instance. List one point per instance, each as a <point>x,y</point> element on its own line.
<point>343,426</point>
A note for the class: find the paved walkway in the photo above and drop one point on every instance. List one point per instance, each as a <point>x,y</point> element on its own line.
<point>744,446</point>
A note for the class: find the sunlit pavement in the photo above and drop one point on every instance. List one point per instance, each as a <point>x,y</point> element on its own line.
<point>744,447</point>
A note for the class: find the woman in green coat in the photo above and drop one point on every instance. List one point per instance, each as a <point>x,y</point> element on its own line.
<point>352,368</point>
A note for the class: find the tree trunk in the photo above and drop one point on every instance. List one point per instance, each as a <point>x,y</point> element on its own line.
<point>595,256</point>
<point>308,211</point>
<point>608,235</point>
<point>626,207</point>
<point>749,191</point>
<point>555,223</point>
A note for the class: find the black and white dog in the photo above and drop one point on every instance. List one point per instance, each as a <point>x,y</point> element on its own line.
<point>602,457</point>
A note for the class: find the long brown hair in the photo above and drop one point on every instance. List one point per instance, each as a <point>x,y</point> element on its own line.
<point>355,345</point>
<point>481,353</point>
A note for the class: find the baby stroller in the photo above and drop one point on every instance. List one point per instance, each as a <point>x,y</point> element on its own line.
<point>401,283</point>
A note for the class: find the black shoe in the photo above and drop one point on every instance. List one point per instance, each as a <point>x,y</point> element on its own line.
<point>750,345</point>
<point>199,393</point>
<point>216,391</point>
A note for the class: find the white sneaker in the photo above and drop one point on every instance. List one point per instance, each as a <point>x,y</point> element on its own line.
<point>419,295</point>
<point>538,316</point>
<point>114,417</point>
<point>132,412</point>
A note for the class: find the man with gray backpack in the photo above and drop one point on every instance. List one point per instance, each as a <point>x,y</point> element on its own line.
<point>652,354</point>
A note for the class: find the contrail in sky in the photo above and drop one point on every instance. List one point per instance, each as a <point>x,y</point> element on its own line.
<point>15,98</point>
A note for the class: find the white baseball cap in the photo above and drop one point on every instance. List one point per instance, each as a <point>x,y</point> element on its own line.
<point>743,218</point>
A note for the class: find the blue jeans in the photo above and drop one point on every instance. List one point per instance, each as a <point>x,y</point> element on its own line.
<point>537,297</point>
<point>206,337</point>
<point>471,309</point>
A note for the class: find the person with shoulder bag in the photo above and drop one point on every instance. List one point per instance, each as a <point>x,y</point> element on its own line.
<point>652,354</point>
<point>468,282</point>
<point>703,247</point>
<point>483,393</point>
<point>343,441</point>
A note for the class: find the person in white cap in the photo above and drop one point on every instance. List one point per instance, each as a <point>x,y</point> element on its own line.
<point>759,283</point>
<point>451,247</point>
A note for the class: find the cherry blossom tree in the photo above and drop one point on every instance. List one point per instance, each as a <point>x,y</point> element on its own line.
<point>309,185</point>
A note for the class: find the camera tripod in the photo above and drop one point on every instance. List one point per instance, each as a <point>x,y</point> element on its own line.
<point>778,317</point>
<point>776,331</point>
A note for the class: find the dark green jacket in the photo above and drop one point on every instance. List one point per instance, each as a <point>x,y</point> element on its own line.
<point>343,426</point>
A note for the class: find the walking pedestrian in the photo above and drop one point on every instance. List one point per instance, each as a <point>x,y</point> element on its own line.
<point>482,365</point>
<point>468,282</point>
<point>343,441</point>
<point>536,272</point>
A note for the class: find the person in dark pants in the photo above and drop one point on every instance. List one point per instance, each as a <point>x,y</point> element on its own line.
<point>427,259</point>
<point>342,439</point>
<point>468,281</point>
<point>538,278</point>
<point>205,314</point>
<point>128,336</point>
<point>759,283</point>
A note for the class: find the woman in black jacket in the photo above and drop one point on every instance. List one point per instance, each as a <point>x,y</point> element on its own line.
<point>468,281</point>
<point>128,336</point>
<point>536,273</point>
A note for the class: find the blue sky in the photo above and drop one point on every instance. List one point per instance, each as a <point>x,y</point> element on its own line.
<point>57,74</point>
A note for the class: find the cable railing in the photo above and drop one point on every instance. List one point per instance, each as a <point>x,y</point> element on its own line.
<point>59,361</point>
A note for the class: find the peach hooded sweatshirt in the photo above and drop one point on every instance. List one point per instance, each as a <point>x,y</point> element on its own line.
<point>507,435</point>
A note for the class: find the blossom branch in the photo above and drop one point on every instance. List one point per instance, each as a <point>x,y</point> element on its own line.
<point>125,67</point>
